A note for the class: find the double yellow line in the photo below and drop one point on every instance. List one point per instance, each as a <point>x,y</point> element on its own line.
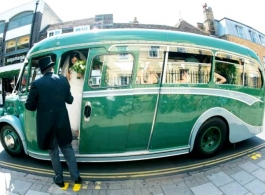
<point>138,174</point>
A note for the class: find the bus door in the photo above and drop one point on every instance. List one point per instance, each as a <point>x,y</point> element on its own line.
<point>107,102</point>
<point>30,73</point>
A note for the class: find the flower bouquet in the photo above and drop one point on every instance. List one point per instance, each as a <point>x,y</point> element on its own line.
<point>79,67</point>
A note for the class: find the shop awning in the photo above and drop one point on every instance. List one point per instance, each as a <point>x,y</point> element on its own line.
<point>11,67</point>
<point>10,70</point>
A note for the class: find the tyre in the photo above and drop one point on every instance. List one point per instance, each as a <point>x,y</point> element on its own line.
<point>11,141</point>
<point>210,138</point>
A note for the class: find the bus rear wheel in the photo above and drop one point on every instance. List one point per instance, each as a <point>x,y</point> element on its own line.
<point>210,138</point>
<point>11,141</point>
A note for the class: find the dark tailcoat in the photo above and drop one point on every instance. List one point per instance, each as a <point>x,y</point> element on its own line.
<point>48,96</point>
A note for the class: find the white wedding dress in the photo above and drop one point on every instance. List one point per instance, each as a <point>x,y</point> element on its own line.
<point>74,109</point>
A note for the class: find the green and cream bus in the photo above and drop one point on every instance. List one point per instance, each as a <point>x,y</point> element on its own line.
<point>155,94</point>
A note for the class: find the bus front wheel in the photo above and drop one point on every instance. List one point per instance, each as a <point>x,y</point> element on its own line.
<point>210,138</point>
<point>11,141</point>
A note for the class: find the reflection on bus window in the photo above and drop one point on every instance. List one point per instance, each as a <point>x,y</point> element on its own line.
<point>23,81</point>
<point>188,65</point>
<point>238,71</point>
<point>149,70</point>
<point>111,71</point>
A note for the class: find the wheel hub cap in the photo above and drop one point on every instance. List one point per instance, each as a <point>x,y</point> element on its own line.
<point>10,141</point>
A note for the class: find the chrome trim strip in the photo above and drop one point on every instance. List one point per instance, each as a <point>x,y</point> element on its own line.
<point>120,92</point>
<point>242,97</point>
<point>239,96</point>
<point>127,156</point>
<point>22,98</point>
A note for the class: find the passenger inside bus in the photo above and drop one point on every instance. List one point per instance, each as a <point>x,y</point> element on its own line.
<point>218,79</point>
<point>152,77</point>
<point>76,84</point>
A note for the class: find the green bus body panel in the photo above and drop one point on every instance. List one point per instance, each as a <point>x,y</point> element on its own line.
<point>177,114</point>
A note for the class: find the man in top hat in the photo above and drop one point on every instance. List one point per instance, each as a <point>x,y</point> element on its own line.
<point>48,96</point>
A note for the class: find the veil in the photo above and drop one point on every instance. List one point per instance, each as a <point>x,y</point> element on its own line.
<point>65,67</point>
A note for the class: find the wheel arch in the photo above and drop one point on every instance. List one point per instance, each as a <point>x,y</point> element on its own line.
<point>211,113</point>
<point>15,123</point>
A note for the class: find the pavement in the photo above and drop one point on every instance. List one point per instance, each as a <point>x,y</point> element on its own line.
<point>244,175</point>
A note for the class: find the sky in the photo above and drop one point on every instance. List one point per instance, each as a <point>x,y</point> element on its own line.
<point>163,12</point>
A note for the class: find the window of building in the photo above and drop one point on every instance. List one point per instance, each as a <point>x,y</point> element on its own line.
<point>252,36</point>
<point>23,42</point>
<point>21,19</point>
<point>240,31</point>
<point>17,44</point>
<point>10,45</point>
<point>2,26</point>
<point>122,56</point>
<point>154,52</point>
<point>262,40</point>
<point>81,28</point>
<point>54,32</point>
<point>67,30</point>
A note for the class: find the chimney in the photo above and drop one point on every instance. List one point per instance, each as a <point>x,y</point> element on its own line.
<point>208,19</point>
<point>135,21</point>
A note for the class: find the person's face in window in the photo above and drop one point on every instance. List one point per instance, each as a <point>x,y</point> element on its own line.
<point>96,67</point>
<point>24,81</point>
<point>73,60</point>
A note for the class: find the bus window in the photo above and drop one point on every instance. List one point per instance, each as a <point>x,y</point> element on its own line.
<point>230,67</point>
<point>111,70</point>
<point>252,75</point>
<point>23,81</point>
<point>65,61</point>
<point>35,72</point>
<point>150,64</point>
<point>188,65</point>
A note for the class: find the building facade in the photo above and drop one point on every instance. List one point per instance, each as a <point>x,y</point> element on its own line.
<point>234,31</point>
<point>105,21</point>
<point>19,30</point>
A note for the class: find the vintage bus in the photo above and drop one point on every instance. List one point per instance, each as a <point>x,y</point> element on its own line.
<point>154,94</point>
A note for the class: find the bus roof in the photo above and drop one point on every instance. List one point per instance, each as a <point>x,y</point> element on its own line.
<point>115,36</point>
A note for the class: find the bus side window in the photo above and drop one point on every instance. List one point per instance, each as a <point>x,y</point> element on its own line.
<point>252,75</point>
<point>150,62</point>
<point>188,65</point>
<point>111,70</point>
<point>23,81</point>
<point>230,67</point>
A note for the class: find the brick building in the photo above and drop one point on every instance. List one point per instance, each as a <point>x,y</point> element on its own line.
<point>234,31</point>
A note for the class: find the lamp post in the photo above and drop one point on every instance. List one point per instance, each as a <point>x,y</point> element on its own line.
<point>33,25</point>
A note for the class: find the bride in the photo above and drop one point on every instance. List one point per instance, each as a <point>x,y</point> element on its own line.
<point>76,82</point>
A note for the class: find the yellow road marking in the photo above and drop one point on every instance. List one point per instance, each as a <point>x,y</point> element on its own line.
<point>65,186</point>
<point>97,187</point>
<point>139,173</point>
<point>255,156</point>
<point>76,187</point>
<point>84,187</point>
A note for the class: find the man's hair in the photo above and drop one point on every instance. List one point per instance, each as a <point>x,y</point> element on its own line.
<point>49,69</point>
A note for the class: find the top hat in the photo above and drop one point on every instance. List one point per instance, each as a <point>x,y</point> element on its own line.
<point>45,62</point>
